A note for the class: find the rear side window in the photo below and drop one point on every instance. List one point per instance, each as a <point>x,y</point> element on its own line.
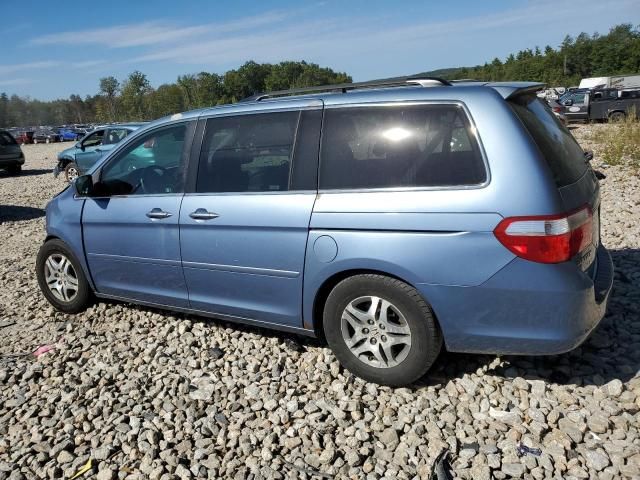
<point>399,146</point>
<point>248,153</point>
<point>558,147</point>
<point>6,139</point>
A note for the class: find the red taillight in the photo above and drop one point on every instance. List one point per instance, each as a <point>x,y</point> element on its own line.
<point>547,238</point>
<point>557,109</point>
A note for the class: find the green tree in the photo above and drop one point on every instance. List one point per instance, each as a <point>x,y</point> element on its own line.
<point>134,90</point>
<point>109,89</point>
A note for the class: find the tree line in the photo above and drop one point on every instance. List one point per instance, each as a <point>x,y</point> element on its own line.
<point>133,98</point>
<point>616,53</point>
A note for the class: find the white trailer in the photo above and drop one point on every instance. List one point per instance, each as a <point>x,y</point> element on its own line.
<point>621,82</point>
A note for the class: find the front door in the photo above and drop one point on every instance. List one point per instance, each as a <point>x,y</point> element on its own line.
<point>131,231</point>
<point>244,229</point>
<point>579,106</point>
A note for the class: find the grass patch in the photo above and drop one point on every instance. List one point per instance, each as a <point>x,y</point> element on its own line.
<point>620,143</point>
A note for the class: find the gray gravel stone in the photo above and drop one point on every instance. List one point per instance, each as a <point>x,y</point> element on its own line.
<point>177,396</point>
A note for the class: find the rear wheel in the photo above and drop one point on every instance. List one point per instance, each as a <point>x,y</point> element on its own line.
<point>616,117</point>
<point>61,278</point>
<point>48,140</point>
<point>381,329</point>
<point>71,171</point>
<point>35,140</point>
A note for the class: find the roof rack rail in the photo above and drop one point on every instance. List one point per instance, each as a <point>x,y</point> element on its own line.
<point>345,87</point>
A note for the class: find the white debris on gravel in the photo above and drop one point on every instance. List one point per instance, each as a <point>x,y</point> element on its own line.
<point>150,394</point>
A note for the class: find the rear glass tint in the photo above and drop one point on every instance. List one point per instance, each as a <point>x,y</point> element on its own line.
<point>558,147</point>
<point>399,146</point>
<point>6,139</point>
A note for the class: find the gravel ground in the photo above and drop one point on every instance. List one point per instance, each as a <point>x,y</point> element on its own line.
<point>147,394</point>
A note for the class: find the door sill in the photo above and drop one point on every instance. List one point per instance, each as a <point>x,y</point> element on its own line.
<point>218,316</point>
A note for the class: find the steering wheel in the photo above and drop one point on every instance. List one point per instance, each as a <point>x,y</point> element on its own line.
<point>153,180</point>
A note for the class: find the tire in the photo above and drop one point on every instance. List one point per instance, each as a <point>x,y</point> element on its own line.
<point>35,141</point>
<point>15,169</point>
<point>78,296</point>
<point>410,324</point>
<point>48,140</point>
<point>616,117</point>
<point>71,171</point>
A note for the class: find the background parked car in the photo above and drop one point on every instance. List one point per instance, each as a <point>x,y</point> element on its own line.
<point>78,159</point>
<point>68,134</point>
<point>45,136</point>
<point>11,156</point>
<point>22,136</point>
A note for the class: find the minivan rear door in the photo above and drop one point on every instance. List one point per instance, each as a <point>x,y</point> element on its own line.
<point>576,182</point>
<point>245,222</point>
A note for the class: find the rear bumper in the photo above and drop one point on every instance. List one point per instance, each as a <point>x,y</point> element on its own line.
<point>524,309</point>
<point>10,162</point>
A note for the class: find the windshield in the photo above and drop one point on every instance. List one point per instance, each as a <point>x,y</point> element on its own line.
<point>558,147</point>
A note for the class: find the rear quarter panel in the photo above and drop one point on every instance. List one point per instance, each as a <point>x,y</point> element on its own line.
<point>436,236</point>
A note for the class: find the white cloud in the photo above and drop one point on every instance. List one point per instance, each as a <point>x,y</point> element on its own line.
<point>331,39</point>
<point>19,67</point>
<point>14,81</point>
<point>152,33</point>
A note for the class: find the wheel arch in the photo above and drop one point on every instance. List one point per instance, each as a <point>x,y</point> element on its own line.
<point>617,110</point>
<point>322,293</point>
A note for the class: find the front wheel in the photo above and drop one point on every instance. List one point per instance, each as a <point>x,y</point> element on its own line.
<point>61,278</point>
<point>381,329</point>
<point>71,172</point>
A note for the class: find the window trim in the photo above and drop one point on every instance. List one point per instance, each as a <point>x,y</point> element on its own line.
<point>190,126</point>
<point>454,103</point>
<point>194,163</point>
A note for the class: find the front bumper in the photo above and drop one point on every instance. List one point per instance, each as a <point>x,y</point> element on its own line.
<point>525,309</point>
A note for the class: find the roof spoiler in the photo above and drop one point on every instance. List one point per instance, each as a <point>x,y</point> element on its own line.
<point>515,89</point>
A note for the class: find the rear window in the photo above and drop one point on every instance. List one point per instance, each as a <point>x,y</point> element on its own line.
<point>6,139</point>
<point>558,147</point>
<point>399,146</point>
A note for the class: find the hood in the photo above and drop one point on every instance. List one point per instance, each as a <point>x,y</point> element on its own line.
<point>68,152</point>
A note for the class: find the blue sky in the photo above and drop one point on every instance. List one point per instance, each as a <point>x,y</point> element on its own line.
<point>61,48</point>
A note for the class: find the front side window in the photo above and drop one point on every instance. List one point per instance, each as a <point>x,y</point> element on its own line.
<point>115,135</point>
<point>94,139</point>
<point>578,98</point>
<point>152,164</point>
<point>399,146</point>
<point>249,153</point>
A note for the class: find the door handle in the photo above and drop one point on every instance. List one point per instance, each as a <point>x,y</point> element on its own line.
<point>203,214</point>
<point>158,213</point>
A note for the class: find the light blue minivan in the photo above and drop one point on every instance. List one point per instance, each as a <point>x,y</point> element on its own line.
<point>389,218</point>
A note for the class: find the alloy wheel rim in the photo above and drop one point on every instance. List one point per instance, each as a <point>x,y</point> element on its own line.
<point>72,174</point>
<point>61,277</point>
<point>376,332</point>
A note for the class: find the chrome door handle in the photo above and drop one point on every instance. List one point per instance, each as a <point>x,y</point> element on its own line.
<point>203,214</point>
<point>158,213</point>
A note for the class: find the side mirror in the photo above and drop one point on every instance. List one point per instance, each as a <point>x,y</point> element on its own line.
<point>568,103</point>
<point>84,185</point>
